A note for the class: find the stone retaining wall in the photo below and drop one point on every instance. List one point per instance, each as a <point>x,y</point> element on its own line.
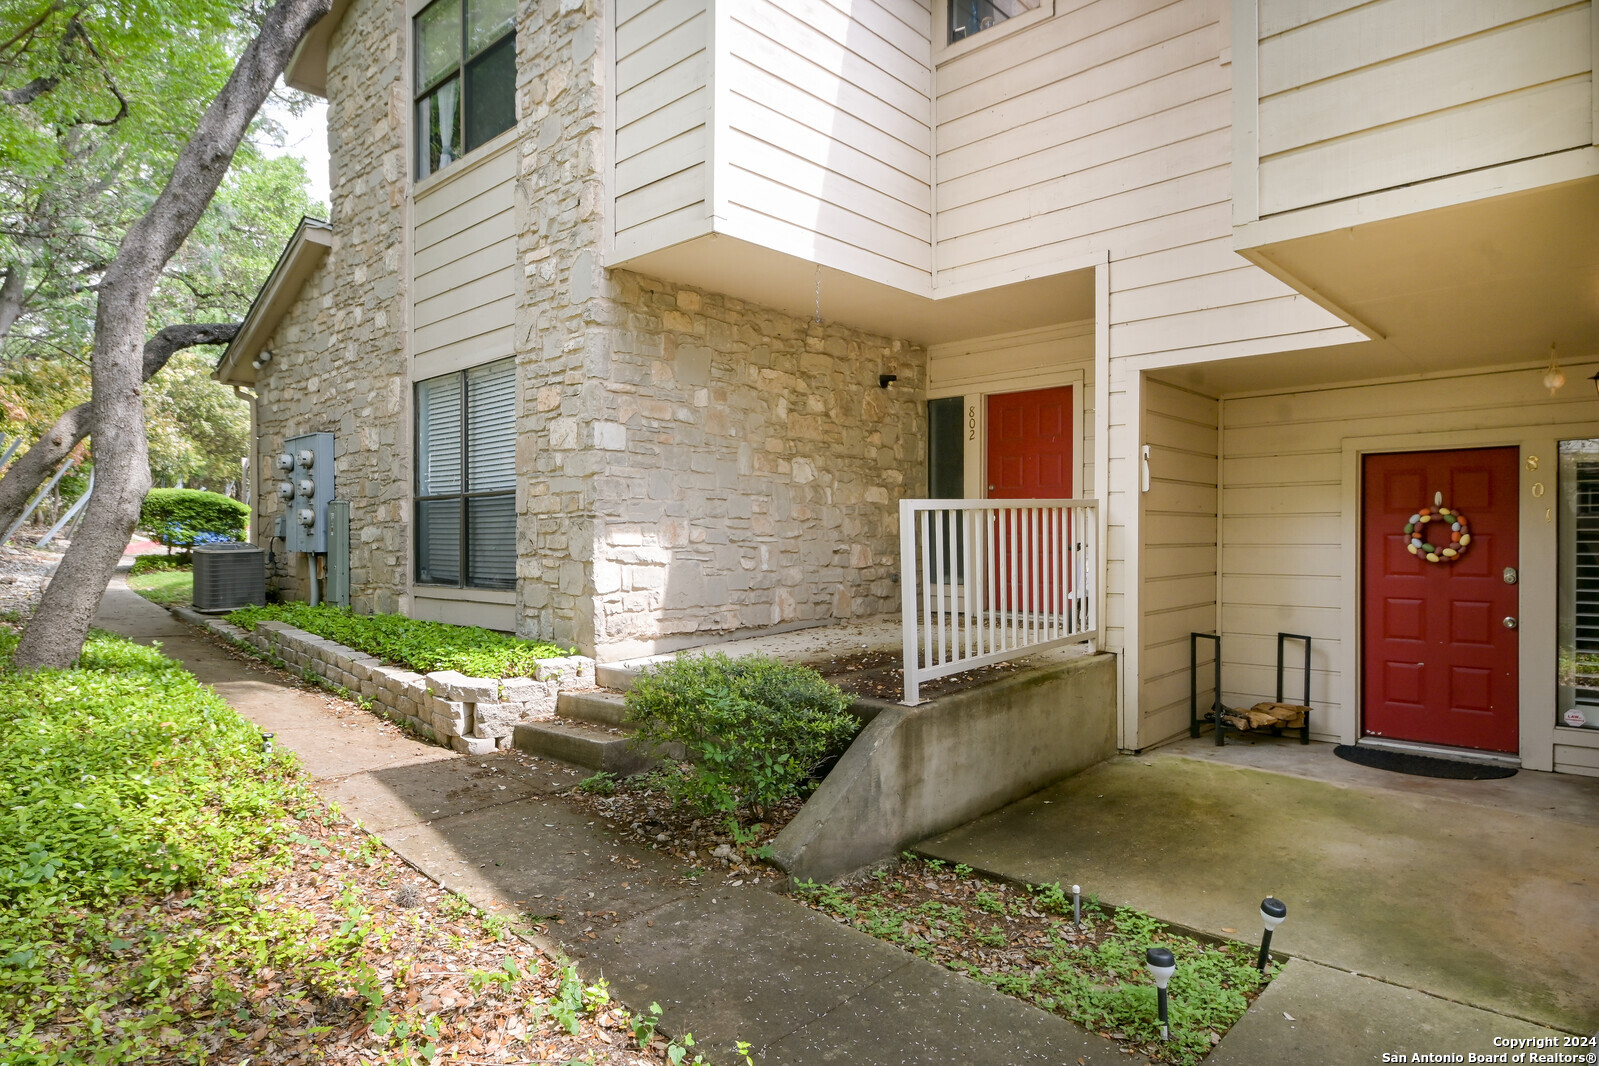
<point>471,714</point>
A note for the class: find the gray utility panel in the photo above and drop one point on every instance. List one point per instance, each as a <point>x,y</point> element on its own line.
<point>305,484</point>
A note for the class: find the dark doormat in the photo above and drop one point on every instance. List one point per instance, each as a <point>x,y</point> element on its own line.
<point>1421,765</point>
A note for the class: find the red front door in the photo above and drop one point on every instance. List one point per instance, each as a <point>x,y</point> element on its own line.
<point>1440,662</point>
<point>1029,458</point>
<point>1030,445</point>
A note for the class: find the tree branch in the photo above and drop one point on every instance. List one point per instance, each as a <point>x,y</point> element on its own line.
<point>29,472</point>
<point>31,91</point>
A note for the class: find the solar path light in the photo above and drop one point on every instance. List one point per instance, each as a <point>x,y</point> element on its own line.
<point>1272,913</point>
<point>1161,966</point>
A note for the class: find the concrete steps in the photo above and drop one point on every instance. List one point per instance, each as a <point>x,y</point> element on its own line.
<point>581,744</point>
<point>598,706</point>
<point>589,731</point>
<point>617,677</point>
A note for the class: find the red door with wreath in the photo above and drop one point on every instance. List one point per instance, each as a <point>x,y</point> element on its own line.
<point>1440,657</point>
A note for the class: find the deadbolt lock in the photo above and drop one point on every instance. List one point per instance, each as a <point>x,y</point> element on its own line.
<point>1510,575</point>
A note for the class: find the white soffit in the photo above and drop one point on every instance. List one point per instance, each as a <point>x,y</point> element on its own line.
<point>723,264</point>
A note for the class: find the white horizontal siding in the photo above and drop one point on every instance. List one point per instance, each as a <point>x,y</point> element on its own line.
<point>661,177</point>
<point>824,138</point>
<point>1177,593</point>
<point>1391,93</point>
<point>1283,531</point>
<point>464,262</point>
<point>1108,128</point>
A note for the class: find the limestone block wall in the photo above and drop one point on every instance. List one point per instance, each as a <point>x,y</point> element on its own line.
<point>560,335</point>
<point>751,467</point>
<point>338,363</point>
<point>475,715</point>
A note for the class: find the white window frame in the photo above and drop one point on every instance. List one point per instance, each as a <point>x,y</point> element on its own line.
<point>942,50</point>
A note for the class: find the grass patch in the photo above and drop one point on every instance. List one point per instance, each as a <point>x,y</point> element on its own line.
<point>1022,941</point>
<point>149,564</point>
<point>170,893</point>
<point>164,586</point>
<point>416,645</point>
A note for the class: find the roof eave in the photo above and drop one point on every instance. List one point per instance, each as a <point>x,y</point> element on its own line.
<point>301,256</point>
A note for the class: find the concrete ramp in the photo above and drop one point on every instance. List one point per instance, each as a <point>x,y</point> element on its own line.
<point>914,771</point>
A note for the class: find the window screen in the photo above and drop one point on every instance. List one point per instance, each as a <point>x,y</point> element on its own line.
<point>466,478</point>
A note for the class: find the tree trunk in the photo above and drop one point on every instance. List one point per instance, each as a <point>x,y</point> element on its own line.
<point>25,475</point>
<point>122,469</point>
<point>13,291</point>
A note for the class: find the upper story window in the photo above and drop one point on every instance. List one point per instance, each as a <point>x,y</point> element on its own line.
<point>465,78</point>
<point>967,18</point>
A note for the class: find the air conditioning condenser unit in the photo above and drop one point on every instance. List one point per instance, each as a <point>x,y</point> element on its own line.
<point>228,576</point>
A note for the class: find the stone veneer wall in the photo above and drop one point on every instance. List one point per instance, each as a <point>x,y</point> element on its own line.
<point>752,467</point>
<point>338,362</point>
<point>692,463</point>
<point>559,338</point>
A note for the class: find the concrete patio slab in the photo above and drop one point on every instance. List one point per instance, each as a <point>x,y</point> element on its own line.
<point>1492,908</point>
<point>1311,1012</point>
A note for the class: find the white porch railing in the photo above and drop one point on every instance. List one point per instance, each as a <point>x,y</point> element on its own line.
<point>983,581</point>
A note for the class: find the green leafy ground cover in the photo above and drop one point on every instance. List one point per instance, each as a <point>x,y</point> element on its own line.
<point>1022,941</point>
<point>169,892</point>
<point>416,645</point>
<point>164,586</point>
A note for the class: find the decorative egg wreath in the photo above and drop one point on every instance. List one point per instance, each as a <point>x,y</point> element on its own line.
<point>1445,551</point>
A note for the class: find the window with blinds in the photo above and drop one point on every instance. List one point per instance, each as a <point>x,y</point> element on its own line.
<point>1578,577</point>
<point>466,478</point>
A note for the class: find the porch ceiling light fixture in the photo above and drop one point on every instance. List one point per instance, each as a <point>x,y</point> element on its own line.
<point>1161,965</point>
<point>1273,911</point>
<point>1554,379</point>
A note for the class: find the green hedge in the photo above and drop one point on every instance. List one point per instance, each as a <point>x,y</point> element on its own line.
<point>185,517</point>
<point>416,645</point>
<point>756,730</point>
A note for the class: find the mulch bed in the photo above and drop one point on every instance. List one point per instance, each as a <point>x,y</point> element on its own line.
<point>642,812</point>
<point>881,675</point>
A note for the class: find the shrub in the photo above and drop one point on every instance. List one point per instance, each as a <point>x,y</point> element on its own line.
<point>186,517</point>
<point>755,729</point>
<point>409,642</point>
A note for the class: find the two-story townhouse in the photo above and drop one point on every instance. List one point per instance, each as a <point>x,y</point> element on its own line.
<point>635,321</point>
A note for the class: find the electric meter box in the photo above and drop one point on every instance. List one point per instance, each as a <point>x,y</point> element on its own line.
<point>312,478</point>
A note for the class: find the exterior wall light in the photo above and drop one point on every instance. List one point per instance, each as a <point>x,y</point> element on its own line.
<point>885,380</point>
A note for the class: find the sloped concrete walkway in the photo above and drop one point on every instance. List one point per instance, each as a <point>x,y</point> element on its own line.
<point>725,962</point>
<point>1458,910</point>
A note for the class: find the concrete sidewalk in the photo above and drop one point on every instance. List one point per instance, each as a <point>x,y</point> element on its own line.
<point>724,962</point>
<point>733,962</point>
